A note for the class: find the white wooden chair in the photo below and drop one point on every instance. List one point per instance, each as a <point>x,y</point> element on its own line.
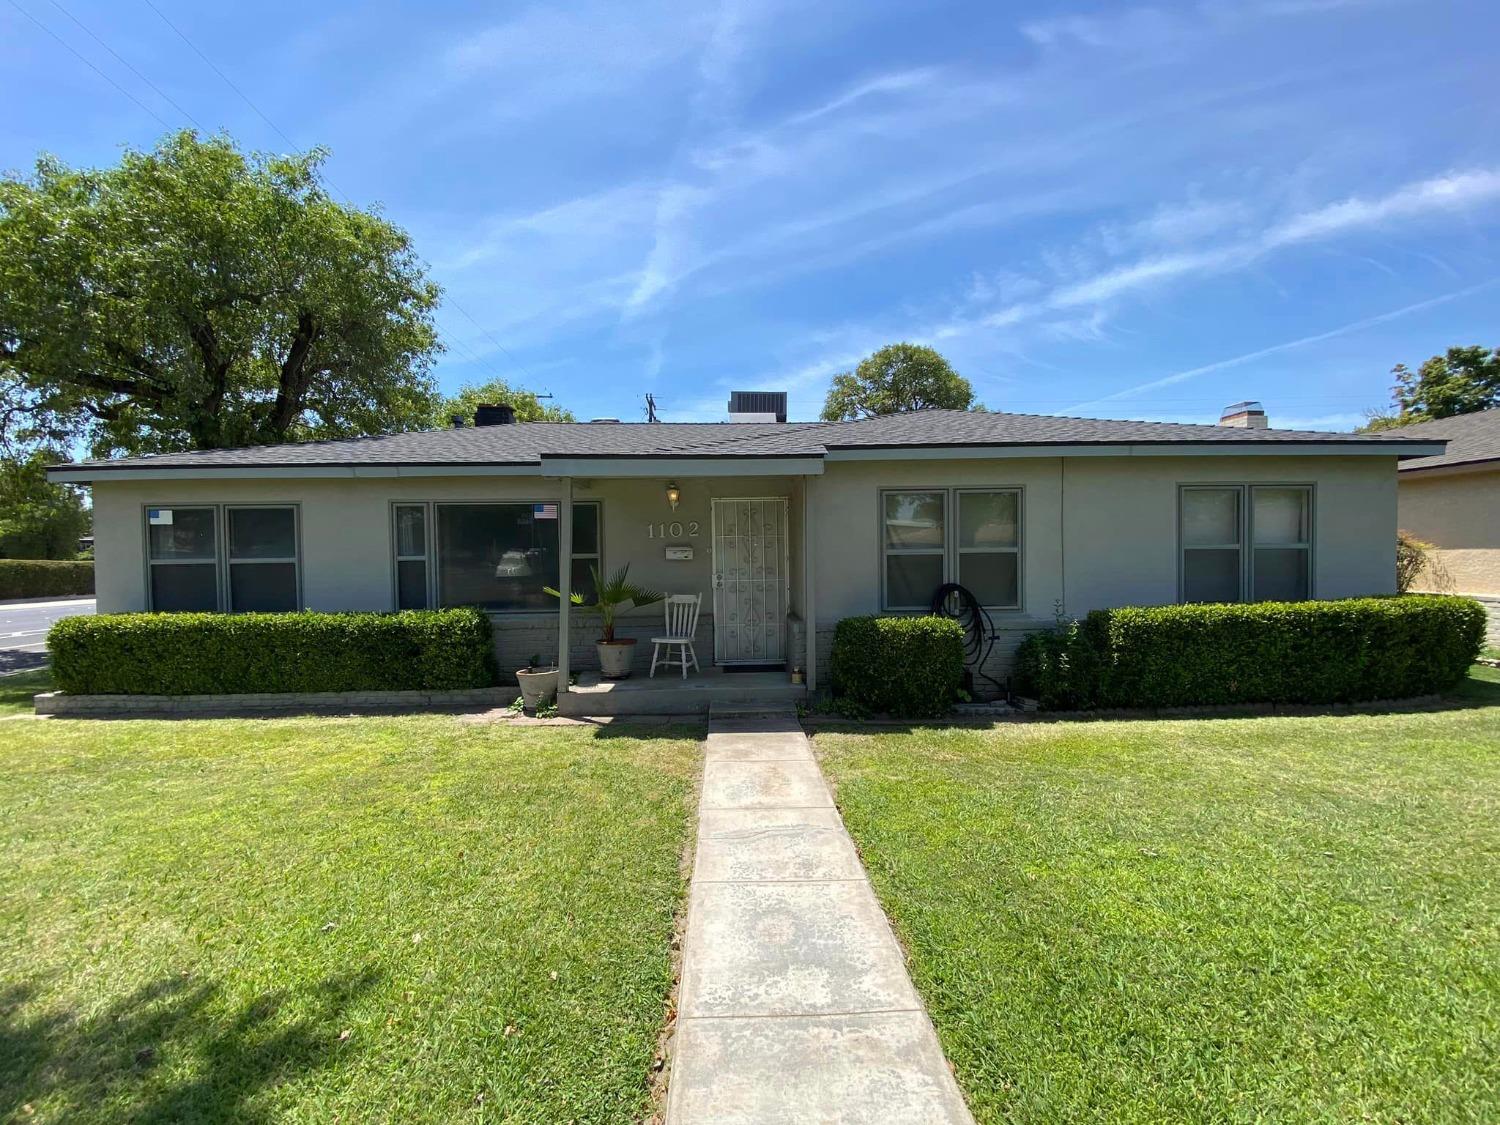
<point>682,623</point>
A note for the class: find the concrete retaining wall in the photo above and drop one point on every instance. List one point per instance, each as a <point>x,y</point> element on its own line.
<point>143,706</point>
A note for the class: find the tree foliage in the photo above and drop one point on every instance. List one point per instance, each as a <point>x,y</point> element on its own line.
<point>38,519</point>
<point>195,297</point>
<point>1460,381</point>
<point>528,407</point>
<point>895,379</point>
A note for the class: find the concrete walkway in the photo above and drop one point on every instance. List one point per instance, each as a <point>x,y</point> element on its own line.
<point>795,1005</point>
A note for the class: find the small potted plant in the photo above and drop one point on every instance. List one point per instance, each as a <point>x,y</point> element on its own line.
<point>615,654</point>
<point>538,684</point>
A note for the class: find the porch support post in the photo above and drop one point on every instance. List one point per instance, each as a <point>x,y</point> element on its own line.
<point>809,581</point>
<point>564,581</point>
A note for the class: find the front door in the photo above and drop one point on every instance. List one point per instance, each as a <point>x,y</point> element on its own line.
<point>750,581</point>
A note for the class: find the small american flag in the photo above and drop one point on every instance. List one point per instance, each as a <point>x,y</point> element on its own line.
<point>544,511</point>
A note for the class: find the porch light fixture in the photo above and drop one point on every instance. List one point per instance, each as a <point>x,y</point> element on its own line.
<point>674,494</point>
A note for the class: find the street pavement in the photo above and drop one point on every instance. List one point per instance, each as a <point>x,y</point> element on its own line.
<point>24,625</point>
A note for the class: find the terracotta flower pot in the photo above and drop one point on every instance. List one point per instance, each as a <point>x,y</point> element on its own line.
<point>616,657</point>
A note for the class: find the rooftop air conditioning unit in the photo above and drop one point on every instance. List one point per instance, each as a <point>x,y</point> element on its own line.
<point>757,406</point>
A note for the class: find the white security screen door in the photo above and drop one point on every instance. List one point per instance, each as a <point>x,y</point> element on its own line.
<point>750,581</point>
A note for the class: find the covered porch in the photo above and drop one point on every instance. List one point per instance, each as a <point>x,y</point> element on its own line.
<point>715,688</point>
<point>732,531</point>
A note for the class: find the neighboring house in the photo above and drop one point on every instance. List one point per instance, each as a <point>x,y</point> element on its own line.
<point>774,523</point>
<point>1452,500</point>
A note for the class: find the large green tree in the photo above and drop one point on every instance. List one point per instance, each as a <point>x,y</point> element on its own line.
<point>528,407</point>
<point>897,378</point>
<point>1460,381</point>
<point>196,297</point>
<point>38,519</point>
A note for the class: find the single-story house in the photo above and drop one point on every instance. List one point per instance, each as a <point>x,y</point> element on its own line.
<point>783,527</point>
<point>1452,500</point>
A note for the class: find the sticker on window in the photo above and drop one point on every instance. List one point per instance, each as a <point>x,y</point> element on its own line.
<point>544,511</point>
<point>159,517</point>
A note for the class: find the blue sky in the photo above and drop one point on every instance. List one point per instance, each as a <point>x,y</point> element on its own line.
<point>1091,208</point>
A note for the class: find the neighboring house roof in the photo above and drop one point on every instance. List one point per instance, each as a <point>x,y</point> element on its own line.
<point>530,444</point>
<point>1473,440</point>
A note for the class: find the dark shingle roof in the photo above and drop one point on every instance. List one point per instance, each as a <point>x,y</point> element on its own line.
<point>1472,439</point>
<point>528,443</point>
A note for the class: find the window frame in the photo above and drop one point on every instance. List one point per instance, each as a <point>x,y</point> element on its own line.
<point>951,552</point>
<point>1246,490</point>
<point>216,561</point>
<point>425,558</point>
<point>230,561</point>
<point>222,561</point>
<point>430,541</point>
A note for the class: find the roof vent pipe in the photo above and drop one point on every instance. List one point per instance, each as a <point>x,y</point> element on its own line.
<point>457,421</point>
<point>487,414</point>
<point>1248,415</point>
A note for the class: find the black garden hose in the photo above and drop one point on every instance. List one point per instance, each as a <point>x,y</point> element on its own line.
<point>959,603</point>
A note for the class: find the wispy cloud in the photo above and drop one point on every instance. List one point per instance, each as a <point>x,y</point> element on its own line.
<point>1417,201</point>
<point>1285,346</point>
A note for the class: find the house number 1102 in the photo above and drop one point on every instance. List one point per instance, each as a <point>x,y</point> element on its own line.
<point>673,530</point>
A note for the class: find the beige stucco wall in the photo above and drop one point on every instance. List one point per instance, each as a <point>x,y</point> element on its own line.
<point>1096,532</point>
<point>1460,513</point>
<point>1102,531</point>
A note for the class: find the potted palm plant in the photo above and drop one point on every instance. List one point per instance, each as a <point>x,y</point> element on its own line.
<point>616,654</point>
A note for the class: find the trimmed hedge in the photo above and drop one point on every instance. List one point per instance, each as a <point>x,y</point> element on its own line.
<point>42,578</point>
<point>1271,652</point>
<point>226,654</point>
<point>910,667</point>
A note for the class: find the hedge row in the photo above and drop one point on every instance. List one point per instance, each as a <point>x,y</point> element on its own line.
<point>910,667</point>
<point>43,578</point>
<point>1271,652</point>
<point>220,653</point>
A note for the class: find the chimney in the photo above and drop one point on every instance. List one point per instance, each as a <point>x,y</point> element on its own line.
<point>1247,415</point>
<point>486,414</point>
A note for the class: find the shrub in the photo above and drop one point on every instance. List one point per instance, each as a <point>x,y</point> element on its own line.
<point>1059,668</point>
<point>1272,652</point>
<point>41,578</point>
<point>227,654</point>
<point>1411,559</point>
<point>910,667</point>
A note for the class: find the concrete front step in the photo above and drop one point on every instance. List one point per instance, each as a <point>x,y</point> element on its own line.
<point>756,692</point>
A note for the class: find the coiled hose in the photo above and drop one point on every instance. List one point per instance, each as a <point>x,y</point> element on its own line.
<point>959,603</point>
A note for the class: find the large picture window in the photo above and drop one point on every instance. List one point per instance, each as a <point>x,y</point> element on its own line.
<point>1217,522</point>
<point>498,556</point>
<point>933,536</point>
<point>209,557</point>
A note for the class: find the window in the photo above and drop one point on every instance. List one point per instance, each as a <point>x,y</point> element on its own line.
<point>182,559</point>
<point>918,554</point>
<point>1216,521</point>
<point>411,556</point>
<point>497,556</point>
<point>262,560</point>
<point>256,569</point>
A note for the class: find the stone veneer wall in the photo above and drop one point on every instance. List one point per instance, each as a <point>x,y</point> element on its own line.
<point>518,636</point>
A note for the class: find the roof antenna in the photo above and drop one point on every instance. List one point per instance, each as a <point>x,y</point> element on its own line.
<point>651,408</point>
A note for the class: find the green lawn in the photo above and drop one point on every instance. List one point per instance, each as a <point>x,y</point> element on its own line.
<point>403,919</point>
<point>17,690</point>
<point>1281,919</point>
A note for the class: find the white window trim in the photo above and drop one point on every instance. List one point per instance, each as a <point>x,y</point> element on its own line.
<point>1246,545</point>
<point>430,541</point>
<point>950,552</point>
